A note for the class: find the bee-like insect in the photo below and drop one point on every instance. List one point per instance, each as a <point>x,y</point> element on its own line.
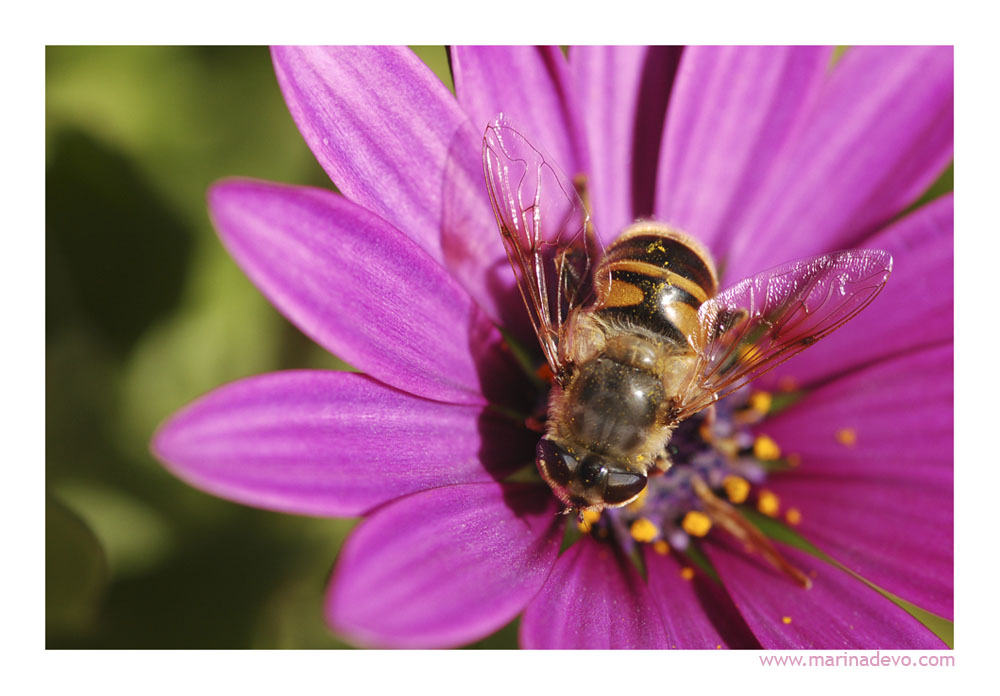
<point>639,338</point>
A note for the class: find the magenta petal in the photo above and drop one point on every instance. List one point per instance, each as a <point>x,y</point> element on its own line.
<point>624,92</point>
<point>915,310</point>
<point>532,86</point>
<point>362,290</point>
<point>732,111</point>
<point>837,612</point>
<point>880,133</point>
<point>381,125</point>
<point>697,613</point>
<point>395,141</point>
<point>883,505</point>
<point>332,443</point>
<point>446,566</point>
<point>594,599</point>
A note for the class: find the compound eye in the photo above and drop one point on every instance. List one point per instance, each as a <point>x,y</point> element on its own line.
<point>556,464</point>
<point>623,486</point>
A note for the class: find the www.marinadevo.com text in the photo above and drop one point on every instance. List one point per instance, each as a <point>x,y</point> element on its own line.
<point>876,659</point>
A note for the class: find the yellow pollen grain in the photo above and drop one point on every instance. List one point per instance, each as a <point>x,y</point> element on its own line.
<point>847,437</point>
<point>687,572</point>
<point>590,518</point>
<point>737,488</point>
<point>696,523</point>
<point>793,516</point>
<point>661,547</point>
<point>643,530</point>
<point>768,503</point>
<point>786,619</point>
<point>718,646</point>
<point>766,449</point>
<point>760,401</point>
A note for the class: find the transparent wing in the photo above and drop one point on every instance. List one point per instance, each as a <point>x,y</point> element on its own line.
<point>546,229</point>
<point>762,321</point>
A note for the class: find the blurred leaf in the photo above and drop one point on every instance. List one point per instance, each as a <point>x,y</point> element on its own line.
<point>436,58</point>
<point>134,536</point>
<point>114,249</point>
<point>225,330</point>
<point>75,573</point>
<point>940,626</point>
<point>942,185</point>
<point>293,616</point>
<point>504,639</point>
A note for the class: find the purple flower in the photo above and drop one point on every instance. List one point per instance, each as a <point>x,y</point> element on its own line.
<point>766,155</point>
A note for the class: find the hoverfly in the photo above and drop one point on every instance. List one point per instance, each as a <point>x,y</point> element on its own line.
<point>638,337</point>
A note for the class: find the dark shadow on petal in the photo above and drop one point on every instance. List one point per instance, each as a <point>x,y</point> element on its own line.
<point>723,614</point>
<point>501,378</point>
<point>655,86</point>
<point>506,446</point>
<point>529,499</point>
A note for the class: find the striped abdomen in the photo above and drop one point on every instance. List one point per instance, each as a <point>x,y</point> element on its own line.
<point>659,278</point>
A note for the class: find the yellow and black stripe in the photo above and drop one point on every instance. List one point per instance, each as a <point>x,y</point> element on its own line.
<point>659,279</point>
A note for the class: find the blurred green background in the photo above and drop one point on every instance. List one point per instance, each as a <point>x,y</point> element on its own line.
<point>144,312</point>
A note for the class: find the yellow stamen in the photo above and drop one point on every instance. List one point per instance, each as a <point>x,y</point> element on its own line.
<point>636,505</point>
<point>728,446</point>
<point>787,384</point>
<point>793,516</point>
<point>768,503</point>
<point>766,449</point>
<point>760,401</point>
<point>644,531</point>
<point>661,547</point>
<point>786,619</point>
<point>696,523</point>
<point>737,488</point>
<point>590,518</point>
<point>687,572</point>
<point>847,437</point>
<point>705,431</point>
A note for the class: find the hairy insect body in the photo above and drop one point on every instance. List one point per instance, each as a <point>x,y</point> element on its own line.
<point>636,355</point>
<point>637,335</point>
